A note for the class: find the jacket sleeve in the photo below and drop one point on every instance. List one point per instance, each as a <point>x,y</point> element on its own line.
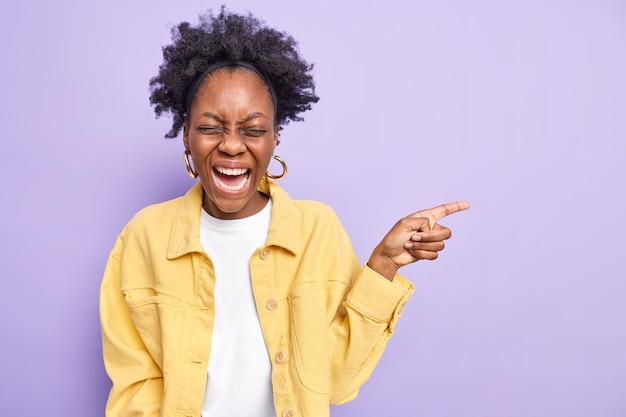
<point>362,327</point>
<point>137,380</point>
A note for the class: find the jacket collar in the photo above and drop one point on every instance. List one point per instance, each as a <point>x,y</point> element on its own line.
<point>284,228</point>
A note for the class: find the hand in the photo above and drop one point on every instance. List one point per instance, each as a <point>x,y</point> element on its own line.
<point>415,237</point>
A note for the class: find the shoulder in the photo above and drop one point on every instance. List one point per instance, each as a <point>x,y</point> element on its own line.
<point>155,213</point>
<point>309,212</point>
<point>317,217</point>
<point>164,214</point>
<point>316,211</point>
<point>158,211</point>
<point>150,228</point>
<point>314,208</point>
<point>308,209</point>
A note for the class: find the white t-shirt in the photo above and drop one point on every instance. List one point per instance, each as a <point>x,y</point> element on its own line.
<point>239,382</point>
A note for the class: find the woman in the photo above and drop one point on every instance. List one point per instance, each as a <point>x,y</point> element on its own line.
<point>235,299</point>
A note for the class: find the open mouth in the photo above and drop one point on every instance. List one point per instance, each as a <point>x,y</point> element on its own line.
<point>231,179</point>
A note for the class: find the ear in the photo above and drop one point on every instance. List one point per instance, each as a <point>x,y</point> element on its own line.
<point>276,139</point>
<point>186,135</point>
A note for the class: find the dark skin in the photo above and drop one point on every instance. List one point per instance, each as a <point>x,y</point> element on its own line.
<point>231,136</point>
<point>415,237</point>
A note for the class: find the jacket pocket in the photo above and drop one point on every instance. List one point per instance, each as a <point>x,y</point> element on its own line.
<point>312,309</point>
<point>156,318</point>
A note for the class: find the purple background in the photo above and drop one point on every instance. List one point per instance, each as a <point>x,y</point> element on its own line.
<point>519,107</point>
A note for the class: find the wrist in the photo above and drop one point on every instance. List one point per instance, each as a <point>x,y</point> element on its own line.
<point>387,268</point>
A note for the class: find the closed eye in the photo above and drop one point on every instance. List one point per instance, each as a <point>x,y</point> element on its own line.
<point>211,130</point>
<point>255,133</point>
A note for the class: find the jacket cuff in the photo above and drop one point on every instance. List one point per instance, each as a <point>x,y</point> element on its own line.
<point>374,296</point>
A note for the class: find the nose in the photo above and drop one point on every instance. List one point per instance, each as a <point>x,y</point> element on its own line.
<point>232,143</point>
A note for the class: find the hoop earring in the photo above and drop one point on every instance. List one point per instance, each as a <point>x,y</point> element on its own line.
<point>277,177</point>
<point>190,171</point>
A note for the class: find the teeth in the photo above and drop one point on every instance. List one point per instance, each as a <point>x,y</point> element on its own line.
<point>242,183</point>
<point>230,171</point>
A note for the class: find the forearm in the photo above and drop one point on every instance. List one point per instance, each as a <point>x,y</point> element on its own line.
<point>360,333</point>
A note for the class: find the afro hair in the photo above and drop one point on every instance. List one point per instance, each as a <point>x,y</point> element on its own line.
<point>232,36</point>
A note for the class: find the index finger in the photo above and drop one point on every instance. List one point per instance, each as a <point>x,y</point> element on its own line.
<point>437,213</point>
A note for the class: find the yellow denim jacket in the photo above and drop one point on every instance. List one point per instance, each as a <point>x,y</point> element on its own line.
<point>325,320</point>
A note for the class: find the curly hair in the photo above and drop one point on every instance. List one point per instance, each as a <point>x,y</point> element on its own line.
<point>237,37</point>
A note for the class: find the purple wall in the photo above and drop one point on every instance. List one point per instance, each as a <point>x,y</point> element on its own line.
<point>519,107</point>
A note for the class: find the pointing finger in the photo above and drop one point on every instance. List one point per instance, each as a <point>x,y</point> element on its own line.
<point>439,212</point>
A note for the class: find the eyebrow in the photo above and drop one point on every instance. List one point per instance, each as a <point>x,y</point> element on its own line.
<point>250,116</point>
<point>213,116</point>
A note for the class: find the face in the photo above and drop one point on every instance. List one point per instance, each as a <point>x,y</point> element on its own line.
<point>231,136</point>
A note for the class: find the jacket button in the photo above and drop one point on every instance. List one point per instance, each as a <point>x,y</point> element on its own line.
<point>289,413</point>
<point>264,254</point>
<point>271,304</point>
<point>280,356</point>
